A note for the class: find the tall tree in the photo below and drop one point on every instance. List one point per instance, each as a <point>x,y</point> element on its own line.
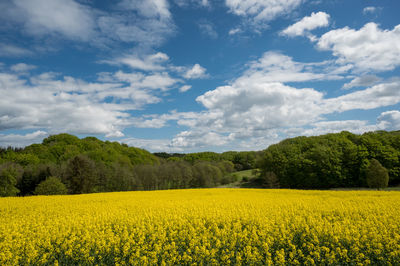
<point>377,175</point>
<point>81,176</point>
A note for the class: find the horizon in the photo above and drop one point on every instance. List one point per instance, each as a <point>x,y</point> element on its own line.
<point>190,76</point>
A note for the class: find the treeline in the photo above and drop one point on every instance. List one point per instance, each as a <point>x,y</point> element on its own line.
<point>66,164</point>
<point>332,160</point>
<point>243,160</point>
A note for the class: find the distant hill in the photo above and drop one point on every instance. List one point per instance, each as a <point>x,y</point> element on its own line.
<point>62,147</point>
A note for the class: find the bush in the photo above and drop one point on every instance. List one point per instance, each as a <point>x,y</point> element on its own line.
<point>51,186</point>
<point>377,175</point>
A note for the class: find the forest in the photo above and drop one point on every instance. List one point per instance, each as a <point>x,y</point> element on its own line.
<point>65,164</point>
<point>333,160</point>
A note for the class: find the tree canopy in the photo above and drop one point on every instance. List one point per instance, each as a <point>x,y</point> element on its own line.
<point>332,160</point>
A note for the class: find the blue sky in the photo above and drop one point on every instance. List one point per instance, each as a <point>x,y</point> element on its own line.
<point>197,75</point>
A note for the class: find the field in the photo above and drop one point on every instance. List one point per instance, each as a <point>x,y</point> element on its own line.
<point>203,226</point>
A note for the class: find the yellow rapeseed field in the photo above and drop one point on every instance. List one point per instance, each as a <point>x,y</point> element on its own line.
<point>203,226</point>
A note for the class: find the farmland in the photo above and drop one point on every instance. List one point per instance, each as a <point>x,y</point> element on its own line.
<point>203,226</point>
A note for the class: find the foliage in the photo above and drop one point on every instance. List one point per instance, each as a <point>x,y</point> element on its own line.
<point>240,160</point>
<point>51,186</point>
<point>10,173</point>
<point>270,180</point>
<point>332,160</point>
<point>377,175</point>
<point>81,176</point>
<point>202,227</point>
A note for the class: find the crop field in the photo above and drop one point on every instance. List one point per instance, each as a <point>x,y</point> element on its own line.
<point>203,226</point>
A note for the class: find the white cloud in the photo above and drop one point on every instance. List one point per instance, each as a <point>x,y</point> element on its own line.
<point>16,140</point>
<point>390,120</point>
<point>277,67</point>
<point>369,9</point>
<point>258,108</point>
<point>306,24</point>
<point>262,10</point>
<point>68,18</point>
<point>363,81</point>
<point>325,127</point>
<point>155,81</point>
<point>157,64</point>
<point>22,67</point>
<point>196,72</point>
<point>152,145</point>
<point>145,23</point>
<point>234,31</point>
<point>369,49</point>
<point>13,51</point>
<point>75,106</point>
<point>185,88</point>
<point>152,62</point>
<point>159,121</point>
<point>384,94</point>
<point>186,3</point>
<point>144,31</point>
<point>198,139</point>
<point>208,29</point>
<point>148,8</point>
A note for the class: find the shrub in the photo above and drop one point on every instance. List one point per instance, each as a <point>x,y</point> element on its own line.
<point>51,186</point>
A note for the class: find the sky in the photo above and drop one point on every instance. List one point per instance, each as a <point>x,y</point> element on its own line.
<point>197,75</point>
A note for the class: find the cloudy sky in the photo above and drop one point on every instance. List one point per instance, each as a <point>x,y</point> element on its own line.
<point>196,75</point>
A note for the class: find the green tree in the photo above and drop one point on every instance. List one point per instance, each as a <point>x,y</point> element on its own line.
<point>377,175</point>
<point>51,186</point>
<point>81,175</point>
<point>270,180</point>
<point>10,173</point>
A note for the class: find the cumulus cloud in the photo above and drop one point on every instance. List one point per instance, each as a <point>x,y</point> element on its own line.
<point>17,140</point>
<point>306,24</point>
<point>65,104</point>
<point>259,108</point>
<point>384,94</point>
<point>262,10</point>
<point>196,72</point>
<point>390,120</point>
<point>362,81</point>
<point>369,48</point>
